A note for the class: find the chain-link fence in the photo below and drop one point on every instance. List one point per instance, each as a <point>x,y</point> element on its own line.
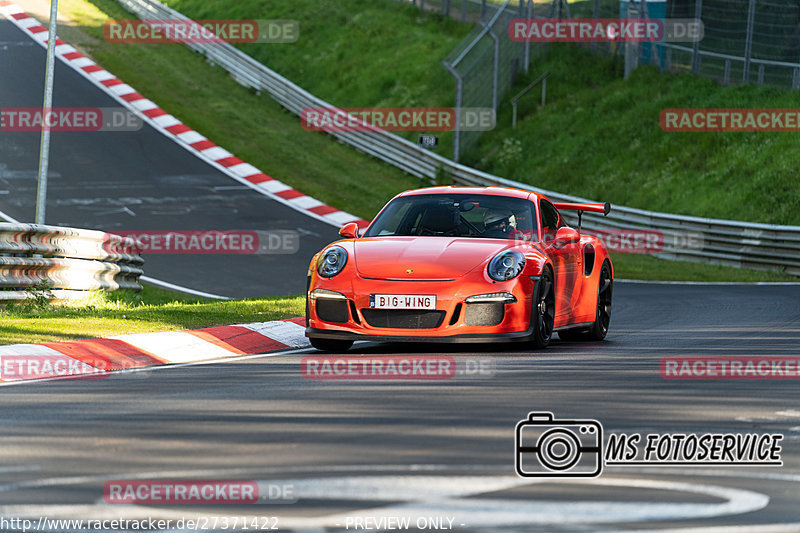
<point>487,62</point>
<point>751,41</point>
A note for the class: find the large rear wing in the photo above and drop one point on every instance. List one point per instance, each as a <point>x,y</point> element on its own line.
<point>582,208</point>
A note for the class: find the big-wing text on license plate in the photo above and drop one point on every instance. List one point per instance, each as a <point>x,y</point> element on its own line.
<point>402,301</point>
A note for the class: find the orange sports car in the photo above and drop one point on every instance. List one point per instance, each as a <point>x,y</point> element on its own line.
<point>461,264</point>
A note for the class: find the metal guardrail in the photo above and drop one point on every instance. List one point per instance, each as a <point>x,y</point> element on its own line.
<point>66,259</point>
<point>725,242</point>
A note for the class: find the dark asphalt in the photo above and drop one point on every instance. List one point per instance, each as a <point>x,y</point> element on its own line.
<point>445,446</point>
<point>140,181</point>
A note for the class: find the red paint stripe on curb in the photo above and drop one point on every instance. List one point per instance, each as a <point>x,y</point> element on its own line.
<point>116,354</point>
<point>177,129</point>
<point>323,210</point>
<point>289,194</point>
<point>37,29</point>
<point>132,96</point>
<point>20,16</point>
<point>203,145</point>
<point>258,178</point>
<point>112,82</point>
<point>73,55</point>
<point>230,161</point>
<point>155,112</point>
<point>240,340</point>
<point>92,68</point>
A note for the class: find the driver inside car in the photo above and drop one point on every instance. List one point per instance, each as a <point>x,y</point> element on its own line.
<point>497,224</point>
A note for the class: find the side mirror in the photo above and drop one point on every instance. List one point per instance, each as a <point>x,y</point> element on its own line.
<point>349,231</point>
<point>566,236</point>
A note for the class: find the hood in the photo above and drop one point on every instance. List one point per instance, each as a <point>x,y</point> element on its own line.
<point>429,258</point>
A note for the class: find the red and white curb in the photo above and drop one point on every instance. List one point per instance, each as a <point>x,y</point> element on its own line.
<point>98,357</point>
<point>173,128</point>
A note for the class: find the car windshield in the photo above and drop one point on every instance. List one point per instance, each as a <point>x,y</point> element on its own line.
<point>456,215</point>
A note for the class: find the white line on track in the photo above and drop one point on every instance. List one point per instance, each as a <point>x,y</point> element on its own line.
<point>172,286</point>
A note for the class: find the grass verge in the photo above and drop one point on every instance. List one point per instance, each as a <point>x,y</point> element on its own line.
<point>105,314</point>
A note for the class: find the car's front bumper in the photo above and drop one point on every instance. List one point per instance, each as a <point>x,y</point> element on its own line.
<point>453,320</point>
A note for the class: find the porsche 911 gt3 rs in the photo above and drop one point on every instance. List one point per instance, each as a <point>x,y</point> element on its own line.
<point>461,264</point>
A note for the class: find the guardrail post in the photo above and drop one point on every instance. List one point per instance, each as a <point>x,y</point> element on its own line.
<point>761,74</point>
<point>698,13</point>
<point>727,76</point>
<point>748,43</point>
<point>796,78</point>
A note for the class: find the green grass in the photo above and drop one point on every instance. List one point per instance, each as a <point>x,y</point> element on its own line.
<point>598,137</point>
<point>105,314</point>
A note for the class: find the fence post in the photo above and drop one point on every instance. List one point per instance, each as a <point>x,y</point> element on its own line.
<point>698,13</point>
<point>446,7</point>
<point>459,92</point>
<point>748,44</point>
<point>483,10</point>
<point>796,78</point>
<point>495,66</point>
<point>528,43</point>
<point>727,78</point>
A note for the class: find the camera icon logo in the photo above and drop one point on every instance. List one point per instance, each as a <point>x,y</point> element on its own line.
<point>545,447</point>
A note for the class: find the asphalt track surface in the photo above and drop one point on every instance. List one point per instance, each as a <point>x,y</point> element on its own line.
<point>140,181</point>
<point>441,448</point>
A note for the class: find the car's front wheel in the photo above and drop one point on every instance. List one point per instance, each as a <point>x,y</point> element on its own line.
<point>543,313</point>
<point>331,345</point>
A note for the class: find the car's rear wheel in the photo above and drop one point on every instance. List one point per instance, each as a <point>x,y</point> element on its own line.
<point>331,345</point>
<point>543,313</point>
<point>599,328</point>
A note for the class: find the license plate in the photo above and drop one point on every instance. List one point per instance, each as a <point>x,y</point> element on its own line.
<point>402,301</point>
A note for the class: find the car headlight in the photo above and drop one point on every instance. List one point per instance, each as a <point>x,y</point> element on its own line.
<point>332,261</point>
<point>506,265</point>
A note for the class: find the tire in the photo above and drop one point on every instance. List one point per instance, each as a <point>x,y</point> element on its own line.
<point>543,313</point>
<point>331,345</point>
<point>599,328</point>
